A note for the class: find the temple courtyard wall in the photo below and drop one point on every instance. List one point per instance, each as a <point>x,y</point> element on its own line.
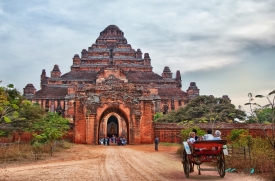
<point>170,132</point>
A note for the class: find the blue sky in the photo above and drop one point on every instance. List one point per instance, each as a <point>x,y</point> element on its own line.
<point>226,47</point>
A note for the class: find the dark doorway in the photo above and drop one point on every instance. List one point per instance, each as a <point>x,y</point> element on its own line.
<point>112,126</point>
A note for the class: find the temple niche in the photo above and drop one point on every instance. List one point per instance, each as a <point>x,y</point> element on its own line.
<point>111,89</point>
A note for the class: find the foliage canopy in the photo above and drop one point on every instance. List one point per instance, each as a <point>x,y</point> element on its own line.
<point>10,100</point>
<point>50,129</point>
<point>204,109</point>
<point>263,114</point>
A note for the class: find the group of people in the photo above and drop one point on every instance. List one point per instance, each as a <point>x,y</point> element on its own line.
<point>118,140</point>
<point>105,141</point>
<point>121,141</point>
<point>193,137</point>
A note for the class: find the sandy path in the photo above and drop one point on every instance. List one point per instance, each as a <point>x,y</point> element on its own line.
<point>112,163</point>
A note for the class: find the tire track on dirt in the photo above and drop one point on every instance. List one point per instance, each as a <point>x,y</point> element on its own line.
<point>142,165</point>
<point>131,172</point>
<point>110,163</point>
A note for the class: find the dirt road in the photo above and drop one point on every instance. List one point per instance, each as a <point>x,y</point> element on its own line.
<point>111,163</point>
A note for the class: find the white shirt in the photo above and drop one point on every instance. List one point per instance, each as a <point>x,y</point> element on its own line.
<point>208,137</point>
<point>192,140</point>
<point>217,138</point>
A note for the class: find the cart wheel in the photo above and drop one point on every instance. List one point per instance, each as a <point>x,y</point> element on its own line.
<point>185,164</point>
<point>221,165</point>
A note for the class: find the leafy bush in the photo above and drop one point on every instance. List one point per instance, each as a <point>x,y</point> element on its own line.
<point>240,137</point>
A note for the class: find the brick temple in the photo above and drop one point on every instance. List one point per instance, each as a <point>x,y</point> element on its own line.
<point>111,90</point>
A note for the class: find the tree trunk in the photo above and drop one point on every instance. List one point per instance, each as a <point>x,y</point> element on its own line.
<point>18,141</point>
<point>51,147</point>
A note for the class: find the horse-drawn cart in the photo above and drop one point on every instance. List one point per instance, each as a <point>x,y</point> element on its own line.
<point>204,151</point>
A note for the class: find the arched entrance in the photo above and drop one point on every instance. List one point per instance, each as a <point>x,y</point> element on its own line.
<point>113,122</point>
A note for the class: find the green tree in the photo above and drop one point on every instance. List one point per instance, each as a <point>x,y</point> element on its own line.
<point>8,106</point>
<point>204,109</point>
<point>9,100</point>
<point>263,113</point>
<point>28,114</point>
<point>14,96</point>
<point>50,129</point>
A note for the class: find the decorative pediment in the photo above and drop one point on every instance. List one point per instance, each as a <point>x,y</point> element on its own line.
<point>110,74</point>
<point>111,80</point>
<point>113,91</point>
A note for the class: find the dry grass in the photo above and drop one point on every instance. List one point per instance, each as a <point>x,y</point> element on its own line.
<point>14,152</point>
<point>261,159</point>
<point>11,152</point>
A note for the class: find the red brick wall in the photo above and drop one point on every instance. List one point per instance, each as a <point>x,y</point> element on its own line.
<point>146,127</point>
<point>80,124</point>
<point>166,132</point>
<point>170,132</point>
<point>25,137</point>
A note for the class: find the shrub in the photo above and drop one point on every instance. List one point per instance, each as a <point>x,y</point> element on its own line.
<point>240,137</point>
<point>262,155</point>
<point>11,152</point>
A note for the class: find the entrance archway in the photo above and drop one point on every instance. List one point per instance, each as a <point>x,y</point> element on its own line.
<point>113,121</point>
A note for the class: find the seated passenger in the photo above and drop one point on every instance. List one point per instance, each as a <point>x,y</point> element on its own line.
<point>217,135</point>
<point>195,131</point>
<point>209,135</point>
<point>191,140</point>
<point>192,137</point>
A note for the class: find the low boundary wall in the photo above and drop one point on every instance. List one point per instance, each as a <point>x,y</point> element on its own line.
<point>170,132</point>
